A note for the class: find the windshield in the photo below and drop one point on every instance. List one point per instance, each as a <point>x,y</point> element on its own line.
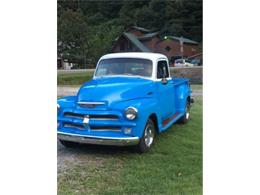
<point>124,66</point>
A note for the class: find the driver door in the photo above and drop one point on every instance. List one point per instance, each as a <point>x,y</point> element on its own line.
<point>165,90</point>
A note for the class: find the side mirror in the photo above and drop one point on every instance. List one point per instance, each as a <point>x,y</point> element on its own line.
<point>164,81</point>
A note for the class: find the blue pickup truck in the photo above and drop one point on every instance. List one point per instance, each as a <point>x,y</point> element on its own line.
<point>130,100</point>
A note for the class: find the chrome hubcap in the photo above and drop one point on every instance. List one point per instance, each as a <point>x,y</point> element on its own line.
<point>148,136</point>
<point>187,115</point>
<point>187,112</point>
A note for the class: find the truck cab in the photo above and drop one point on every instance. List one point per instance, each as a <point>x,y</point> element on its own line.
<point>131,98</point>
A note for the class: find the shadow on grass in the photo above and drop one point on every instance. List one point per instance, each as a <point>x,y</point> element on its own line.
<point>101,149</point>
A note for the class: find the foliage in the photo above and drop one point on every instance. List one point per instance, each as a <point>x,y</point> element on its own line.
<point>72,35</point>
<point>87,29</point>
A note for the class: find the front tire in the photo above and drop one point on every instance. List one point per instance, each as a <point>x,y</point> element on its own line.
<point>68,144</point>
<point>147,139</point>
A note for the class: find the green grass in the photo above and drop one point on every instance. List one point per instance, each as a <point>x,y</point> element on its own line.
<point>173,166</point>
<point>73,78</point>
<point>197,87</point>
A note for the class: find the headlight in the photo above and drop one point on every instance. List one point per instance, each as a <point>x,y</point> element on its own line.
<point>131,113</point>
<point>58,107</point>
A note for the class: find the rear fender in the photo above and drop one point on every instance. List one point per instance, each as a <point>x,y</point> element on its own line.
<point>183,93</point>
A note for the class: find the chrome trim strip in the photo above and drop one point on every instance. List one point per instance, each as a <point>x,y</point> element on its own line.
<point>66,125</point>
<point>99,140</point>
<point>91,103</point>
<point>106,130</point>
<point>74,116</point>
<point>100,119</point>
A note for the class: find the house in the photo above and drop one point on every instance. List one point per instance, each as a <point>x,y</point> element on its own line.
<point>64,64</point>
<point>143,40</point>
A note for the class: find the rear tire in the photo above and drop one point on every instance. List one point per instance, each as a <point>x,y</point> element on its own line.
<point>186,117</point>
<point>147,139</point>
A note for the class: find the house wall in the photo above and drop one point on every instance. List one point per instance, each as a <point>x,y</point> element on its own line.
<point>151,43</point>
<point>188,49</point>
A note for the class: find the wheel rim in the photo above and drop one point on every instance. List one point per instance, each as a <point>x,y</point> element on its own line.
<point>187,115</point>
<point>148,136</point>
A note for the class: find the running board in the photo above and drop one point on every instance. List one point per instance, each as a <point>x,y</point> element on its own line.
<point>175,117</point>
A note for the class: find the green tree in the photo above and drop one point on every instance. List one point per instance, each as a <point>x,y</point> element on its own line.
<point>73,36</point>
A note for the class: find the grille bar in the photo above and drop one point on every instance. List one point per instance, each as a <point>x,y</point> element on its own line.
<point>103,117</point>
<point>105,128</point>
<point>74,115</point>
<point>72,125</point>
<point>93,128</point>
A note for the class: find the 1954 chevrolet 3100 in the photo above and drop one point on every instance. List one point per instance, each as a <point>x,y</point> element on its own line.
<point>130,99</point>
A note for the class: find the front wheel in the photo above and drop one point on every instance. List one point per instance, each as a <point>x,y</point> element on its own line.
<point>148,137</point>
<point>68,144</point>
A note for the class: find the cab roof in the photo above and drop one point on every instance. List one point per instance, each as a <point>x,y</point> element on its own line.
<point>144,55</point>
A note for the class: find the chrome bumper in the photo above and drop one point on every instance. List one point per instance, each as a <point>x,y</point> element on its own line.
<point>86,139</point>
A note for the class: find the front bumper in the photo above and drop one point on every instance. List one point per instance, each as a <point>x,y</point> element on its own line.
<point>89,139</point>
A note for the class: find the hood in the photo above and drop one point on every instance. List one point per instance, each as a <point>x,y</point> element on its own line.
<point>115,89</point>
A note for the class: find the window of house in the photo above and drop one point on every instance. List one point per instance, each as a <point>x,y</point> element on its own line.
<point>122,47</point>
<point>168,48</point>
<point>162,69</point>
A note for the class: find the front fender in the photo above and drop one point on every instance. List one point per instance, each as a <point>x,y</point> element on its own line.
<point>145,107</point>
<point>66,102</point>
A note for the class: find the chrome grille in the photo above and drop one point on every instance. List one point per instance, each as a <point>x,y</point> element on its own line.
<point>92,117</point>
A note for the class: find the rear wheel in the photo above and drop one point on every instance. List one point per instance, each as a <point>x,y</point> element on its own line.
<point>186,117</point>
<point>148,137</point>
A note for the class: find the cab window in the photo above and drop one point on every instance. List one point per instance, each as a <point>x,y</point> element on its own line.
<point>162,69</point>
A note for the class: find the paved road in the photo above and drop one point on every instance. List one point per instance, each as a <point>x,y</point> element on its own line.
<point>67,90</point>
